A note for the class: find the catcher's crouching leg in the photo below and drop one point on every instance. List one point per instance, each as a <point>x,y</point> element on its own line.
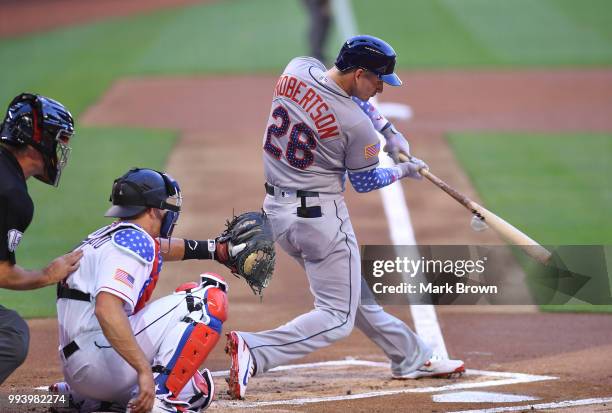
<point>178,381</point>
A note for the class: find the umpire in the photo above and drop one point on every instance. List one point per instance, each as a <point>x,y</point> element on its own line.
<point>34,141</point>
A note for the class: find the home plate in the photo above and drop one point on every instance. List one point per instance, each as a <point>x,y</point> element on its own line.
<point>480,397</point>
<point>351,379</point>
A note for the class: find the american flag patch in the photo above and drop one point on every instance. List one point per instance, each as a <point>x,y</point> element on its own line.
<point>124,277</point>
<point>372,150</point>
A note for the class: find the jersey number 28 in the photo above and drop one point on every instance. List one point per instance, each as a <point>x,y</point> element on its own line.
<point>301,138</point>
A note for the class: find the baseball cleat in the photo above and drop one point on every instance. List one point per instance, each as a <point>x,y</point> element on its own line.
<point>444,369</point>
<point>60,387</point>
<point>71,406</point>
<point>242,367</point>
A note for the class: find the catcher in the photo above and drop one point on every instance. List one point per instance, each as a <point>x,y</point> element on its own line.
<point>116,350</point>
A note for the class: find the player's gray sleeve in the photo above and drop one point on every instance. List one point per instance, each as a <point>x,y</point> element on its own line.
<point>362,147</point>
<point>14,342</point>
<point>309,61</point>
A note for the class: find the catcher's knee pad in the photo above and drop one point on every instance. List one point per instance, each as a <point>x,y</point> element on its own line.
<point>216,306</point>
<point>207,279</point>
<point>207,301</point>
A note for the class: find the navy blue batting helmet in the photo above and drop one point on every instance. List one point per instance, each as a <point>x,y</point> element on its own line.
<point>43,123</point>
<point>369,53</point>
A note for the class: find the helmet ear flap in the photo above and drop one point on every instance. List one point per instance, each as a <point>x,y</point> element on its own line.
<point>19,121</point>
<point>22,128</point>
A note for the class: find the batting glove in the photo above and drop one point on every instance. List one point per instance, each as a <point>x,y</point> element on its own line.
<point>395,143</point>
<point>411,168</point>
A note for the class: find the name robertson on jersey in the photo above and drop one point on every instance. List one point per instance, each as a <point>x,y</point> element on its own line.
<point>309,100</point>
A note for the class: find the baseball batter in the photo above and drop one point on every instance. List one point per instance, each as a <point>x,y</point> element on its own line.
<point>316,136</point>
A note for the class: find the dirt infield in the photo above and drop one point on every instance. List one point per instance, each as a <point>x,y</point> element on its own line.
<point>218,162</point>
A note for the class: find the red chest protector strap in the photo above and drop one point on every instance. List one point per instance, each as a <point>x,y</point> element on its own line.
<point>149,286</point>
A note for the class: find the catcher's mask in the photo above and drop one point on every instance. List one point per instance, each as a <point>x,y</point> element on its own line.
<point>140,189</point>
<point>46,125</point>
<point>369,53</point>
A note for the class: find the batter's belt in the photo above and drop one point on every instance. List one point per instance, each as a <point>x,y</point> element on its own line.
<point>303,211</point>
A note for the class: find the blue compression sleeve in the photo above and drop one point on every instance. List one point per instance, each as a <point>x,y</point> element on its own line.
<point>374,178</point>
<point>378,120</point>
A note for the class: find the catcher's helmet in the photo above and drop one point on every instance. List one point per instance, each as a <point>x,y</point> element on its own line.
<point>369,53</point>
<point>44,124</point>
<point>140,189</point>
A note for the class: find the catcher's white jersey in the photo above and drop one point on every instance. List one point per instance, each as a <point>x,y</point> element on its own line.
<point>123,260</point>
<point>315,132</point>
<point>107,265</point>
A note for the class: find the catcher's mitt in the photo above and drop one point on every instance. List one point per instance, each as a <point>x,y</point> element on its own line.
<point>246,247</point>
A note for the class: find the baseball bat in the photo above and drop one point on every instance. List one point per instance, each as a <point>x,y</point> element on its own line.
<point>507,231</point>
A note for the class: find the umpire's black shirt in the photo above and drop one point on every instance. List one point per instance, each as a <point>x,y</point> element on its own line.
<point>16,206</point>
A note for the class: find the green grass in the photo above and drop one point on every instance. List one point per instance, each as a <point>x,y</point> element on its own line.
<point>63,216</point>
<point>468,33</point>
<point>77,64</point>
<point>555,188</point>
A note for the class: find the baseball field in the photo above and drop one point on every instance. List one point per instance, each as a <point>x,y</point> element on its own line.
<point>512,105</point>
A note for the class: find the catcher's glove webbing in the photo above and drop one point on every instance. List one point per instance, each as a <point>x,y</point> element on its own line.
<point>246,247</point>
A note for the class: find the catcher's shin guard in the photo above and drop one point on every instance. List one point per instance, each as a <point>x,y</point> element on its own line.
<point>197,342</point>
<point>187,347</point>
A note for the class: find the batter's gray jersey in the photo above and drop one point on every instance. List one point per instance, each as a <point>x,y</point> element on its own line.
<point>315,132</point>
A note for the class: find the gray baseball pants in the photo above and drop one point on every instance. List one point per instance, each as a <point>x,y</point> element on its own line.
<point>327,249</point>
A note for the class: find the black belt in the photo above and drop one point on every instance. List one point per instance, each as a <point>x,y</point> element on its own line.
<point>298,193</point>
<point>70,349</point>
<point>72,293</point>
<point>303,211</point>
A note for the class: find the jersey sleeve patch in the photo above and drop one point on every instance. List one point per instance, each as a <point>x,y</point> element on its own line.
<point>372,150</point>
<point>124,277</point>
<point>136,243</point>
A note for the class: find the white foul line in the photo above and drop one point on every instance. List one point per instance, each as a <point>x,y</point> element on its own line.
<point>506,379</point>
<point>344,17</point>
<point>398,217</point>
<point>541,406</point>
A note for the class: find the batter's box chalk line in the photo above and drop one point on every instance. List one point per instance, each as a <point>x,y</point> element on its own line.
<point>544,406</point>
<point>497,378</point>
